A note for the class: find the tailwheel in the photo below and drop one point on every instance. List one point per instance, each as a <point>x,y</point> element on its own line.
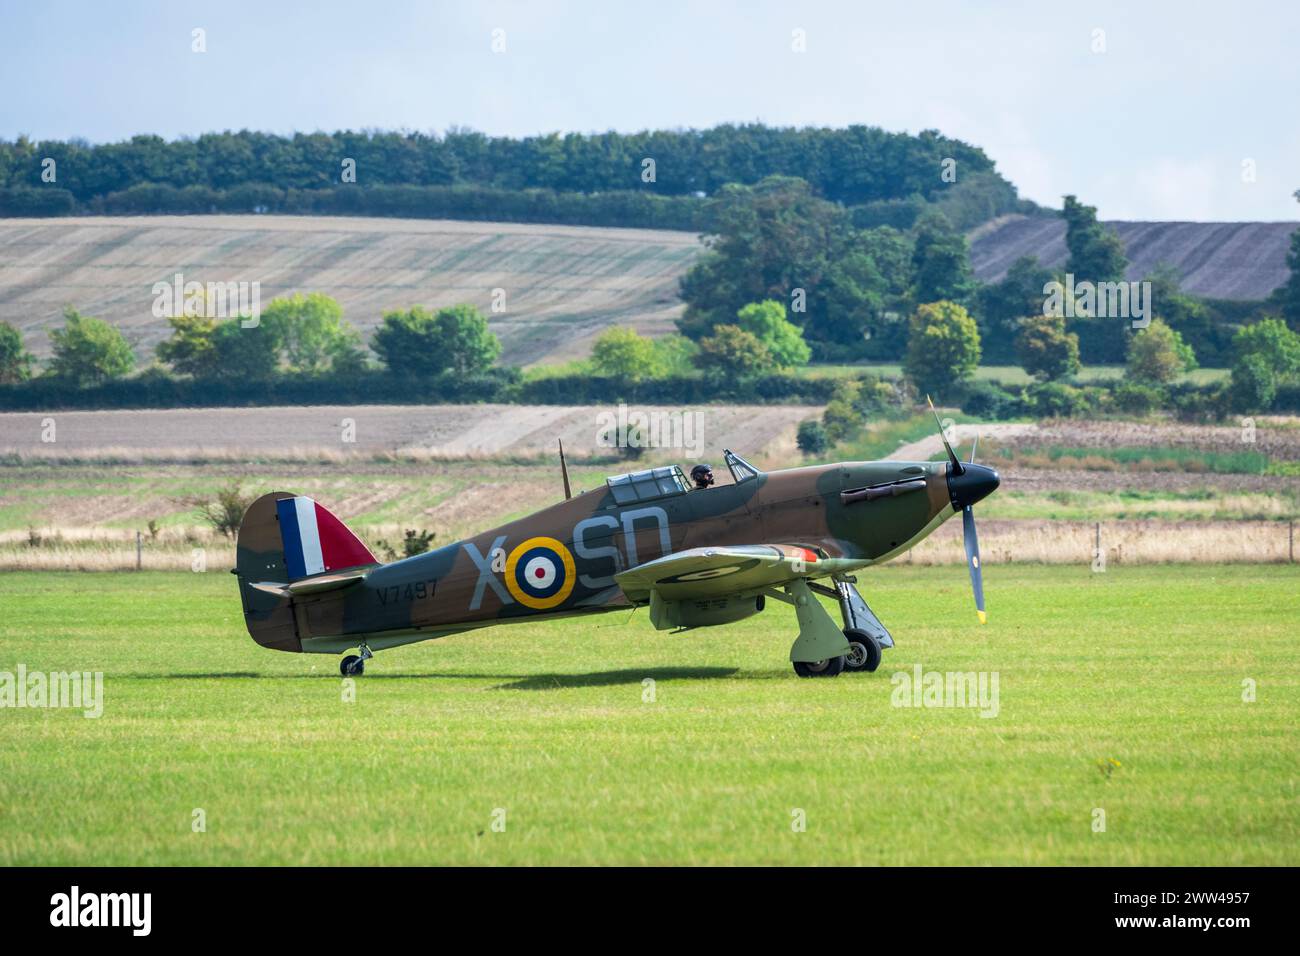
<point>355,665</point>
<point>864,651</point>
<point>830,667</point>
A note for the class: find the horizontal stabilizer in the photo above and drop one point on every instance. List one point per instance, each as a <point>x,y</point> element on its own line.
<point>322,582</point>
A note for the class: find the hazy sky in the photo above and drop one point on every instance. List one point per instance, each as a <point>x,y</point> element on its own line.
<point>1155,127</point>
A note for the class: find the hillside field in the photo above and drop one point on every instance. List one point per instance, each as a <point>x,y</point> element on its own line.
<point>1218,260</point>
<point>562,284</point>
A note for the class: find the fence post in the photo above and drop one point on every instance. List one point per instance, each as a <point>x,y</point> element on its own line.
<point>1290,540</point>
<point>139,551</point>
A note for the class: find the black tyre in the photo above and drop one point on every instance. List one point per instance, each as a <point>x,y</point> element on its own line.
<point>827,668</point>
<point>352,666</point>
<point>864,651</point>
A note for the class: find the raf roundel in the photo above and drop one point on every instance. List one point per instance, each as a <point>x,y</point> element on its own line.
<point>540,573</point>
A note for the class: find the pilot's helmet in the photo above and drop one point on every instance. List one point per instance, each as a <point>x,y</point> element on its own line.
<point>702,474</point>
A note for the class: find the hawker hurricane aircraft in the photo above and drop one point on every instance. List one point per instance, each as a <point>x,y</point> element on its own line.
<point>696,557</point>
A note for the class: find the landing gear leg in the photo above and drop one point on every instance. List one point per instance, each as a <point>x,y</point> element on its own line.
<point>354,665</point>
<point>867,637</point>
<point>820,648</point>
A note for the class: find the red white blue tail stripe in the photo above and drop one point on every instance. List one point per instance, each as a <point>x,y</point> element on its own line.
<point>315,541</point>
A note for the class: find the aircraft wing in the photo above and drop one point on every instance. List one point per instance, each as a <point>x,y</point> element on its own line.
<point>716,571</point>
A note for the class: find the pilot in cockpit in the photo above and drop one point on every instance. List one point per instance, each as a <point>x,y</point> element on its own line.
<point>702,475</point>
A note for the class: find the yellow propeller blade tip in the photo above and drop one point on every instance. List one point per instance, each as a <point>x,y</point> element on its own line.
<point>984,618</point>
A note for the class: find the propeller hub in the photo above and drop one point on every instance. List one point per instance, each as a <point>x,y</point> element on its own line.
<point>975,483</point>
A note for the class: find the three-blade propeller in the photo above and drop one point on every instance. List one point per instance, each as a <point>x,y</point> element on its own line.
<point>970,537</point>
<point>972,542</point>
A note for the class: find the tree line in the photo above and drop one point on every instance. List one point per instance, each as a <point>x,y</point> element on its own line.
<point>852,166</point>
<point>627,208</point>
<point>302,335</point>
<point>595,179</point>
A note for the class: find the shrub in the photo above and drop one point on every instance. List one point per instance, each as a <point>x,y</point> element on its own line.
<point>15,361</point>
<point>1254,383</point>
<point>1157,355</point>
<point>1136,398</point>
<point>943,348</point>
<point>842,418</point>
<point>413,542</point>
<point>812,438</point>
<point>27,201</point>
<point>766,320</point>
<point>733,351</point>
<point>1045,350</point>
<point>1200,403</point>
<point>990,400</point>
<point>1054,400</point>
<point>416,343</point>
<point>224,513</point>
<point>621,352</point>
<point>88,351</point>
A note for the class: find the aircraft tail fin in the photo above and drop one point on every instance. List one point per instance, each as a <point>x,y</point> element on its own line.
<point>283,539</point>
<point>315,541</point>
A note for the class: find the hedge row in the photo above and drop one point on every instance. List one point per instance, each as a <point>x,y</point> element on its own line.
<point>626,208</point>
<point>36,202</point>
<point>159,390</point>
<point>1185,400</point>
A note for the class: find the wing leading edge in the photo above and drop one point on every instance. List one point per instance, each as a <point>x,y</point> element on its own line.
<point>720,571</point>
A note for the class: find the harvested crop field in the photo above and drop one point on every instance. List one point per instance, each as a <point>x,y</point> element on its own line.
<point>1002,542</point>
<point>1274,436</point>
<point>421,432</point>
<point>78,502</point>
<point>73,516</point>
<point>1222,260</point>
<point>562,284</point>
<point>1010,541</point>
<point>1254,454</point>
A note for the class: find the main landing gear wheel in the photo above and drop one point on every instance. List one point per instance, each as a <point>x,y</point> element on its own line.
<point>827,668</point>
<point>864,651</point>
<point>354,665</point>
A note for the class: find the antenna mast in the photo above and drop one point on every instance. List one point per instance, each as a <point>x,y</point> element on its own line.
<point>564,470</point>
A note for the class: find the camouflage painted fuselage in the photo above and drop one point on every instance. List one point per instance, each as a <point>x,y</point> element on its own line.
<point>590,538</point>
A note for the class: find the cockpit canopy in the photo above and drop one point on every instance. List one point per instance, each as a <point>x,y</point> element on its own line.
<point>741,470</point>
<point>648,485</point>
<point>669,480</point>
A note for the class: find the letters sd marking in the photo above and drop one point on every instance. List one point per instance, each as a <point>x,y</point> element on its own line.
<point>540,573</point>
